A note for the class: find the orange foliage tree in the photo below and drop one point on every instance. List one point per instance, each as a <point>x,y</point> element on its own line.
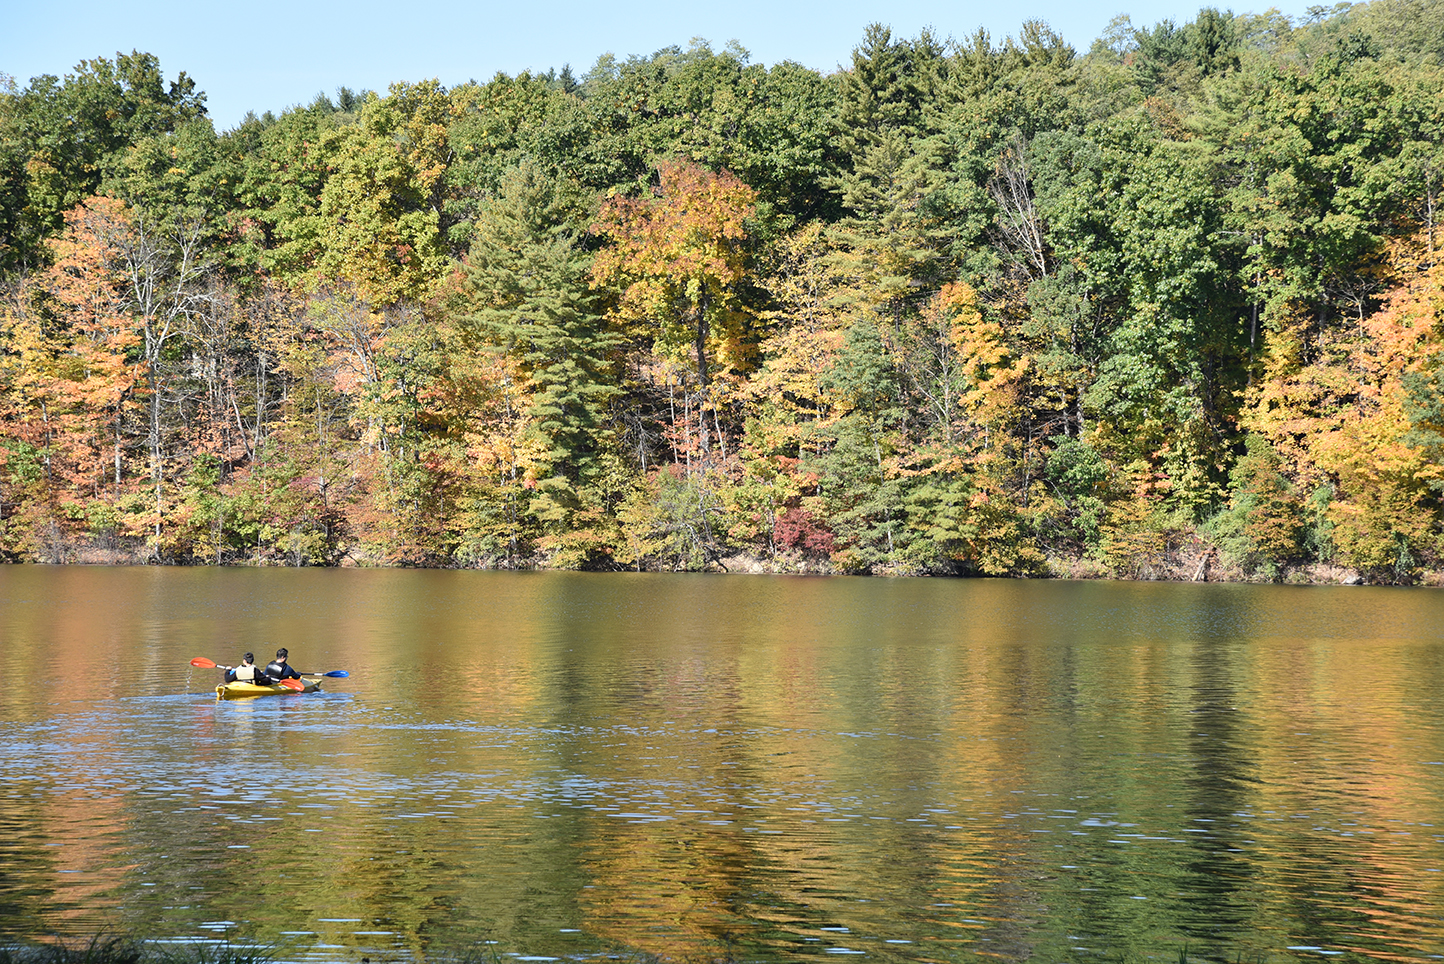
<point>70,377</point>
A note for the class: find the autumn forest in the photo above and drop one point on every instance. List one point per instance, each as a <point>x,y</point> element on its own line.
<point>1169,307</point>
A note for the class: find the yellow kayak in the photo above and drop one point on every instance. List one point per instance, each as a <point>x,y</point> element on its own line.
<point>241,691</point>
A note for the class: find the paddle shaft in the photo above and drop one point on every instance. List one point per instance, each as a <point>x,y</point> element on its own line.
<point>204,663</point>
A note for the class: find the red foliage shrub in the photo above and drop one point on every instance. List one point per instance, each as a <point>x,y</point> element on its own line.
<point>799,529</point>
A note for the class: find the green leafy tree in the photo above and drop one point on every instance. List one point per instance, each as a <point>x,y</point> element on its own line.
<point>496,126</point>
<point>379,225</point>
<point>285,165</point>
<point>1266,517</point>
<point>64,139</point>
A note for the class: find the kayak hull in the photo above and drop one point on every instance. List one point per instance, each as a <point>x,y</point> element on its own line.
<point>244,691</point>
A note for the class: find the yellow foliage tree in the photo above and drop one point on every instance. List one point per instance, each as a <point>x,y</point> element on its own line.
<point>1339,417</point>
<point>677,258</point>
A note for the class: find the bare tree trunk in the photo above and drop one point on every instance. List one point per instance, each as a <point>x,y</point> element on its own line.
<point>687,423</point>
<point>118,444</point>
<point>1022,229</point>
<point>672,407</point>
<point>259,385</point>
<point>164,277</point>
<point>702,373</point>
<point>153,438</point>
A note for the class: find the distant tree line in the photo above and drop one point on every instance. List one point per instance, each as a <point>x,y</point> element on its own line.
<point>1167,308</point>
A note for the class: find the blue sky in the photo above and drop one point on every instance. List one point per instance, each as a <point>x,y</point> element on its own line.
<point>271,54</point>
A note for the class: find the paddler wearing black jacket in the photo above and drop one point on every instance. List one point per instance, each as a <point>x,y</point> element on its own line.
<point>246,672</point>
<point>277,669</point>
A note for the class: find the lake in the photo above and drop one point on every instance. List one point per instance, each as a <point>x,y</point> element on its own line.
<point>570,766</point>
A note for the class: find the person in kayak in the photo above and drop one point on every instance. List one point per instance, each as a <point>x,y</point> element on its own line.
<point>277,669</point>
<point>246,672</point>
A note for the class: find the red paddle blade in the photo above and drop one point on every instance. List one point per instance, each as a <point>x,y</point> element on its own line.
<point>203,663</point>
<point>293,684</point>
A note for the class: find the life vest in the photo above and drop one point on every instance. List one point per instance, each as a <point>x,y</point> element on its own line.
<point>245,673</point>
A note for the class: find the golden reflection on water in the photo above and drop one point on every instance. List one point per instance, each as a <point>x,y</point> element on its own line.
<point>680,764</point>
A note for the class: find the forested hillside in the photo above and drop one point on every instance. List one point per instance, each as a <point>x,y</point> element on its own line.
<point>1170,307</point>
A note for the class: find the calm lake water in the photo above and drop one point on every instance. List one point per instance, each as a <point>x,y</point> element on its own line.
<point>766,768</point>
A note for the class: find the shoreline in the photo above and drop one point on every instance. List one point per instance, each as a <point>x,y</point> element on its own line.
<point>1203,567</point>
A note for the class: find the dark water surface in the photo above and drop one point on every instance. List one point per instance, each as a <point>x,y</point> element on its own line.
<point>692,766</point>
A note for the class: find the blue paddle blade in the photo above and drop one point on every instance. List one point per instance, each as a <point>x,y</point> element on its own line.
<point>338,673</point>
